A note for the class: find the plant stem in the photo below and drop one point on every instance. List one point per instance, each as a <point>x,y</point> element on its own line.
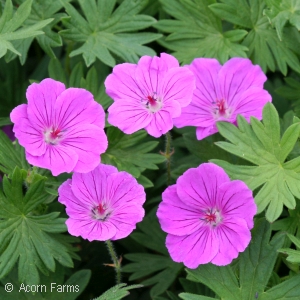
<point>115,260</point>
<point>168,154</point>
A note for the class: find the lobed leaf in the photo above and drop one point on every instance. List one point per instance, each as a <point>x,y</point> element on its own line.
<point>260,143</point>
<point>104,32</point>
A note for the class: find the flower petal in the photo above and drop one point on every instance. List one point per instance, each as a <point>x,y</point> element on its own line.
<point>178,84</point>
<point>128,116</point>
<point>198,187</point>
<point>237,75</point>
<point>121,84</point>
<point>160,124</point>
<point>197,248</point>
<point>76,107</point>
<point>236,201</point>
<point>175,217</point>
<point>234,236</point>
<point>88,141</point>
<point>41,100</point>
<point>57,159</point>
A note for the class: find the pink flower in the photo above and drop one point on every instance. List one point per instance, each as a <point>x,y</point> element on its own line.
<point>103,204</point>
<point>207,217</point>
<point>223,92</point>
<point>61,129</point>
<point>148,95</point>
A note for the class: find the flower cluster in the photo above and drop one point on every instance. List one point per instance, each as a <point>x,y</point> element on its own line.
<point>204,212</point>
<point>207,217</point>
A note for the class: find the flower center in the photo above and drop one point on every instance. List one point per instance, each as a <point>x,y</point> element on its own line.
<point>101,212</point>
<point>152,102</point>
<point>220,109</point>
<point>212,217</point>
<point>53,135</point>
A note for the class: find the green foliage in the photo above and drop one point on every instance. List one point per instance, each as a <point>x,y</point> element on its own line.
<point>42,10</point>
<point>255,266</point>
<point>293,256</point>
<point>9,156</point>
<point>282,11</point>
<point>197,32</point>
<point>11,22</point>
<point>159,268</point>
<point>128,152</point>
<point>262,41</point>
<point>93,81</point>
<point>25,236</point>
<point>105,31</point>
<point>51,287</point>
<point>118,292</point>
<point>260,144</point>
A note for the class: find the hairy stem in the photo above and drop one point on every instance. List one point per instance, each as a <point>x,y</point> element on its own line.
<point>115,260</point>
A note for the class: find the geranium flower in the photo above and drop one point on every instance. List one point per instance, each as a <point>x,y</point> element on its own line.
<point>61,129</point>
<point>103,204</point>
<point>148,95</point>
<point>207,217</point>
<point>223,92</point>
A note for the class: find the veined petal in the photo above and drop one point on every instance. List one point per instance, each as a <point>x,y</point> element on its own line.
<point>237,75</point>
<point>41,99</point>
<point>200,247</point>
<point>121,84</point>
<point>160,124</point>
<point>198,187</point>
<point>88,141</point>
<point>129,116</point>
<point>76,107</point>
<point>57,159</point>
<point>178,84</point>
<point>175,217</point>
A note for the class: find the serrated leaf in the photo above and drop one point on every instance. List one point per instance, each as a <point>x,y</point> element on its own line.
<point>118,292</point>
<point>42,10</point>
<point>10,24</point>
<point>27,238</point>
<point>104,32</point>
<point>127,153</point>
<point>196,32</point>
<point>280,12</point>
<point>264,46</point>
<point>255,267</point>
<point>260,144</point>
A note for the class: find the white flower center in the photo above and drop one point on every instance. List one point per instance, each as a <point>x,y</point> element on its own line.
<point>153,103</point>
<point>53,135</point>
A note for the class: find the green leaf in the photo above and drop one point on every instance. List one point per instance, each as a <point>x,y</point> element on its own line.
<point>160,270</point>
<point>293,255</point>
<point>196,32</point>
<point>118,292</point>
<point>264,46</point>
<point>188,296</point>
<point>10,23</point>
<point>30,239</point>
<point>254,268</point>
<point>260,144</point>
<point>280,12</point>
<point>105,33</point>
<point>128,152</point>
<point>9,157</point>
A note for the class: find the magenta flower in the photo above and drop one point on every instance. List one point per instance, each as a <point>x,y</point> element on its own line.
<point>148,95</point>
<point>61,129</point>
<point>207,217</point>
<point>103,204</point>
<point>223,92</point>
